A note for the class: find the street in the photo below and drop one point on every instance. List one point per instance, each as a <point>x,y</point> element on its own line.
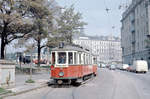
<point>108,84</point>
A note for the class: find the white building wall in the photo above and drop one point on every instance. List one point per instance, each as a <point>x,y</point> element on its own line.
<point>106,50</point>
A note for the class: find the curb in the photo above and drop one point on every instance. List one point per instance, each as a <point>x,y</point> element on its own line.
<point>25,91</point>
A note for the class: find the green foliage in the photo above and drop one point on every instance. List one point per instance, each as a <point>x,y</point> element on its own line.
<point>42,15</point>
<point>47,66</point>
<point>30,81</point>
<point>4,91</point>
<point>69,24</point>
<point>14,23</point>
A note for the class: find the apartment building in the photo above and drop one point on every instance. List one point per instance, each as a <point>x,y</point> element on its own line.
<point>135,31</point>
<point>107,49</point>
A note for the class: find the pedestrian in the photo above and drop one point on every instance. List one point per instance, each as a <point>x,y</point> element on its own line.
<point>24,60</point>
<point>20,59</point>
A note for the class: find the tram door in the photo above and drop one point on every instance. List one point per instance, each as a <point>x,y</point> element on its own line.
<point>53,58</point>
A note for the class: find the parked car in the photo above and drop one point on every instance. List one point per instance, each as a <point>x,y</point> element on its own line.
<point>118,66</point>
<point>99,65</point>
<point>27,59</point>
<point>107,65</point>
<point>129,68</point>
<point>124,67</point>
<point>112,67</point>
<point>139,66</point>
<point>103,66</point>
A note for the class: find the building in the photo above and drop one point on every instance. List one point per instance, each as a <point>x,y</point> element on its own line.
<point>135,31</point>
<point>105,48</point>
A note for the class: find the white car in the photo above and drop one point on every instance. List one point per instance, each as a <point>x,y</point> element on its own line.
<point>103,65</point>
<point>124,67</point>
<point>112,67</point>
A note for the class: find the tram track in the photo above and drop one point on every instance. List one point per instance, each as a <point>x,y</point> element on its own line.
<point>47,93</point>
<point>82,84</point>
<point>73,88</point>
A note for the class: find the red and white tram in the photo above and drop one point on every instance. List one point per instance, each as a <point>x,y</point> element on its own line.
<point>72,63</point>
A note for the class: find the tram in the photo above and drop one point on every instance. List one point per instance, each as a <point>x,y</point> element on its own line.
<point>72,63</point>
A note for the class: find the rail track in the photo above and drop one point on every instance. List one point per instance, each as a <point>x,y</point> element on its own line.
<point>74,87</point>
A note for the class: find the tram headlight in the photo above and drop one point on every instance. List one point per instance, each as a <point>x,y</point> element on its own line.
<point>61,73</point>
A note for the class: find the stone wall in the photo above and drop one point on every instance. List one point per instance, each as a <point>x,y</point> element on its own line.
<point>7,74</point>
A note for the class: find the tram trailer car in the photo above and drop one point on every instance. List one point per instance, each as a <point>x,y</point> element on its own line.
<point>71,64</point>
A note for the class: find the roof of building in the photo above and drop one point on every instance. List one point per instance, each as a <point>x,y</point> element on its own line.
<point>101,38</point>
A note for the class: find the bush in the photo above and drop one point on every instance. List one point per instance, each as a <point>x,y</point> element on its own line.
<point>4,91</point>
<point>30,81</point>
<point>45,66</point>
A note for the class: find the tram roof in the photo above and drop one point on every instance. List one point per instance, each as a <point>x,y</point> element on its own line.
<point>70,48</point>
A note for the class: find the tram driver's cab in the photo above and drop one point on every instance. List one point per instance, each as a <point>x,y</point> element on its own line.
<point>63,59</point>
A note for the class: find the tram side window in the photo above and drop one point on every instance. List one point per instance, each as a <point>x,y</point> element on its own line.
<point>70,58</point>
<point>87,59</point>
<point>90,59</point>
<point>61,57</point>
<point>84,59</point>
<point>79,58</point>
<point>75,58</point>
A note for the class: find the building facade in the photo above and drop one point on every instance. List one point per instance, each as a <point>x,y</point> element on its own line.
<point>105,48</point>
<point>135,31</point>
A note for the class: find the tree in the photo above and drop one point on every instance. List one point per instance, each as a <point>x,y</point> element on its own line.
<point>69,24</point>
<point>42,17</point>
<point>13,22</point>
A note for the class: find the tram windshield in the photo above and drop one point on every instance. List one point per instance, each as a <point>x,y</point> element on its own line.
<point>61,57</point>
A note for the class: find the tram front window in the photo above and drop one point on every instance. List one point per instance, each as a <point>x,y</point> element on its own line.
<point>62,58</point>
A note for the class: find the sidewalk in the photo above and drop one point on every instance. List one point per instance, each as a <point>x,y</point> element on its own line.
<point>40,78</point>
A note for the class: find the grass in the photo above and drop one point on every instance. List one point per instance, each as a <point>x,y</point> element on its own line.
<point>45,66</point>
<point>30,81</point>
<point>2,90</point>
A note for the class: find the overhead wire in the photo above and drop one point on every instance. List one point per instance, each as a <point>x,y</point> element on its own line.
<point>108,10</point>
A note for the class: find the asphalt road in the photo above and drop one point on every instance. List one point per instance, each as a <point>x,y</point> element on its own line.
<point>109,84</point>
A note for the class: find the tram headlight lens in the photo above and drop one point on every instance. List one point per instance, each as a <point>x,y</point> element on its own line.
<point>61,73</point>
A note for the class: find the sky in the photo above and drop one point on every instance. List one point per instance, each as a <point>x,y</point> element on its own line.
<point>100,22</point>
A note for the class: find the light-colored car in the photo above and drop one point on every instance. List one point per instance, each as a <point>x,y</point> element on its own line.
<point>112,67</point>
<point>124,67</point>
<point>119,66</point>
<point>140,66</point>
<point>103,66</point>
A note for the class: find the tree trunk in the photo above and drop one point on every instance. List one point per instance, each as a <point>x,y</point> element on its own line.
<point>39,51</point>
<point>70,39</point>
<point>3,41</point>
<point>2,48</point>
